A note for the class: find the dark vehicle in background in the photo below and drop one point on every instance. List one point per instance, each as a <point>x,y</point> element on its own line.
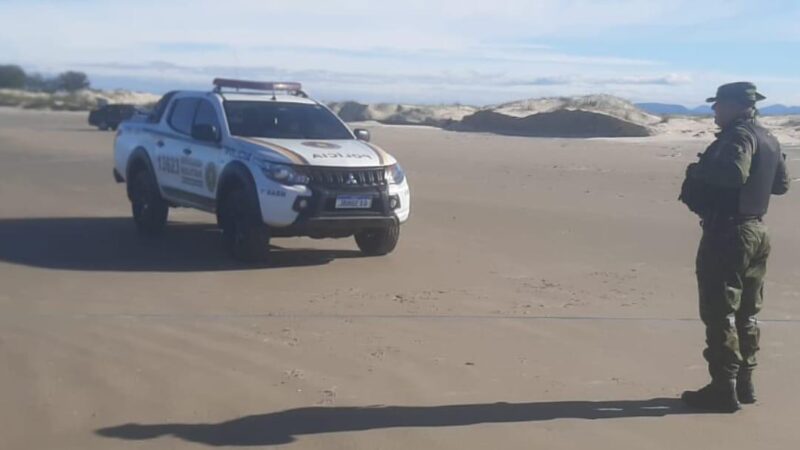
<point>110,116</point>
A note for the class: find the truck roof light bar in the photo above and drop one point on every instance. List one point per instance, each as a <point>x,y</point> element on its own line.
<point>270,86</point>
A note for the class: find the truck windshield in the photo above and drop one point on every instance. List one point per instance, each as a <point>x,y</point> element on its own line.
<point>283,121</point>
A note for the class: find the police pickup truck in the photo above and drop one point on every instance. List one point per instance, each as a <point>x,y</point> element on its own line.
<point>268,160</point>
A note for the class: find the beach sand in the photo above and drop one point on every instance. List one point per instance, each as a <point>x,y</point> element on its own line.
<point>542,296</point>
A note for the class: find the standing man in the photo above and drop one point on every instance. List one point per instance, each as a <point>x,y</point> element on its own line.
<point>730,188</point>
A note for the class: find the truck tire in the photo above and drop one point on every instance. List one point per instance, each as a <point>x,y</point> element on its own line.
<point>102,126</point>
<point>149,209</point>
<point>246,235</point>
<point>379,241</point>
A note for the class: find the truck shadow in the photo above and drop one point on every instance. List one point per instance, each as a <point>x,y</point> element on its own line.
<point>78,129</point>
<point>112,244</point>
<point>283,427</point>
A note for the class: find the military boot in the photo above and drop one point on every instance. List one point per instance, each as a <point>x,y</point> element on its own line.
<point>744,387</point>
<point>717,396</point>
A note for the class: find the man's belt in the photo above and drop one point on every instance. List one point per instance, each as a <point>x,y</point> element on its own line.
<point>717,220</point>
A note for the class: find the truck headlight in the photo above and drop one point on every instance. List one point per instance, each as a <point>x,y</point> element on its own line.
<point>281,173</point>
<point>395,174</point>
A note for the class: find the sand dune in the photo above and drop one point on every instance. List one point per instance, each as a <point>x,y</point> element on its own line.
<point>596,116</point>
<point>588,116</point>
<point>600,104</point>
<point>398,114</point>
<point>82,100</point>
<point>559,123</point>
<point>785,128</point>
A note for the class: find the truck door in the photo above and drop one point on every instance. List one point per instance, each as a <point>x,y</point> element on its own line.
<point>204,156</point>
<point>173,150</point>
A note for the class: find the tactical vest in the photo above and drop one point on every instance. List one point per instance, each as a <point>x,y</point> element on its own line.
<point>752,199</point>
<point>754,195</point>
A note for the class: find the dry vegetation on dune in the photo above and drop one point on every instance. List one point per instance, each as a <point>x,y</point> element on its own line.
<point>572,117</point>
<point>587,116</point>
<point>399,114</point>
<point>82,100</point>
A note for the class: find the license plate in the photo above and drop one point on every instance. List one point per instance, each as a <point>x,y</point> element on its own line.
<point>353,202</point>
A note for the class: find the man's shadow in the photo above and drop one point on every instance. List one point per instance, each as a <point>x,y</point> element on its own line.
<point>283,427</point>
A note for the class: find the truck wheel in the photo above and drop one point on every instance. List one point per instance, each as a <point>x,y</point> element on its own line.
<point>378,242</point>
<point>245,233</point>
<point>149,209</point>
<point>102,126</point>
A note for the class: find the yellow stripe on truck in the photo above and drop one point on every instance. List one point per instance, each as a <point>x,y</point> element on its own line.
<point>382,155</point>
<point>293,156</point>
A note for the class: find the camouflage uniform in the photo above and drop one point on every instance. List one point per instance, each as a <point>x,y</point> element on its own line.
<point>736,175</point>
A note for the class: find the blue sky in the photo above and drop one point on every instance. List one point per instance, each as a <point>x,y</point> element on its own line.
<point>418,50</point>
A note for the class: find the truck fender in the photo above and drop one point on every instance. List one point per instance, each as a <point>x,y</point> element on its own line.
<point>138,159</point>
<point>235,174</point>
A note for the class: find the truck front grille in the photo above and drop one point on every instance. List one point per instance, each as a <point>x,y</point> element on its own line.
<point>347,178</point>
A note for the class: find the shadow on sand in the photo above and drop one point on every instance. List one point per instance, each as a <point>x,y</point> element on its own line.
<point>283,427</point>
<point>79,129</point>
<point>112,244</point>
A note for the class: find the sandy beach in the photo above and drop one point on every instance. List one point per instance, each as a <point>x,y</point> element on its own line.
<point>541,296</point>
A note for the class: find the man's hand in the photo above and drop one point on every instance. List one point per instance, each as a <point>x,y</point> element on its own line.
<point>693,171</point>
<point>782,179</point>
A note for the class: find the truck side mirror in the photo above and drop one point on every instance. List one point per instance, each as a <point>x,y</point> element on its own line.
<point>362,134</point>
<point>205,132</point>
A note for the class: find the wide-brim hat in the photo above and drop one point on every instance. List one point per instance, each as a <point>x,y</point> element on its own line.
<point>739,91</point>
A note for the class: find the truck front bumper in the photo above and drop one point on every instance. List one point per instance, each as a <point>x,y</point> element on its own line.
<point>318,216</point>
<point>333,227</point>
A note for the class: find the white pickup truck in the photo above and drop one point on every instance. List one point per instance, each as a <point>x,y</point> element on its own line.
<point>266,159</point>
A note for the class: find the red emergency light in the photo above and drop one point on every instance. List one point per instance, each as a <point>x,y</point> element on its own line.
<point>287,86</point>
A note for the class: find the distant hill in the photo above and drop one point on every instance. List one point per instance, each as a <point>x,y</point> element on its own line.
<point>703,110</point>
<point>780,110</point>
<point>662,109</point>
<point>666,109</point>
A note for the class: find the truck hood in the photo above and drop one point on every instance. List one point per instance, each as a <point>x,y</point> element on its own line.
<point>325,153</point>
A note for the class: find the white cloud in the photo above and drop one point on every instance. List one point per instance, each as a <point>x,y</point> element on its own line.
<point>102,26</point>
<point>442,86</point>
<point>355,46</point>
